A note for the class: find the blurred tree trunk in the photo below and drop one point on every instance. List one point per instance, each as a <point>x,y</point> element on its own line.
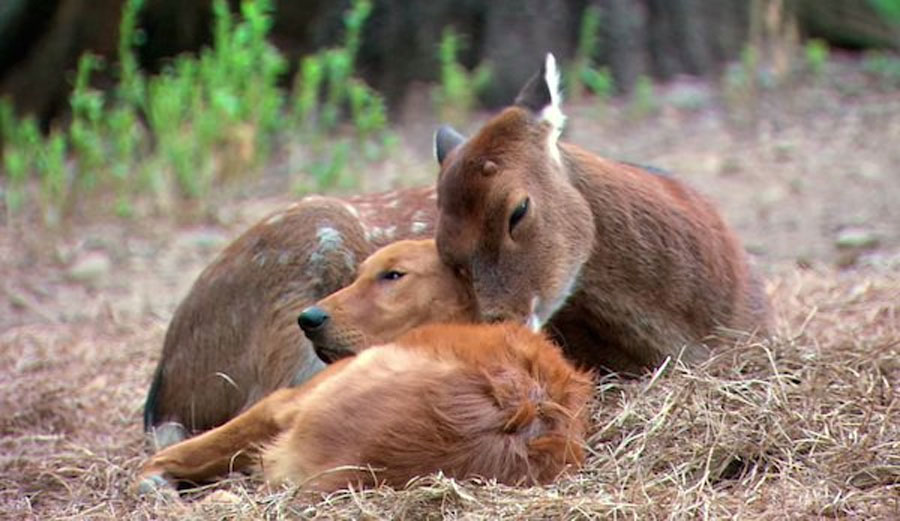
<point>694,36</point>
<point>41,40</point>
<point>172,27</point>
<point>517,37</point>
<point>847,23</point>
<point>622,46</point>
<point>50,38</point>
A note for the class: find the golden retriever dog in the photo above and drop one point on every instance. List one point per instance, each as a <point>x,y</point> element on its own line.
<point>497,401</point>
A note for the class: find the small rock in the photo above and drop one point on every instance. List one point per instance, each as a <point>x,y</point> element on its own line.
<point>90,267</point>
<point>771,195</point>
<point>204,238</point>
<point>856,238</point>
<point>222,497</point>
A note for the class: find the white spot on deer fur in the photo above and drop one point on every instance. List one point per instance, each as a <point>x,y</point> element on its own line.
<point>389,232</point>
<point>274,218</point>
<point>533,322</point>
<point>433,196</point>
<point>552,113</point>
<point>352,209</point>
<point>366,210</point>
<point>329,239</point>
<point>330,245</point>
<point>168,433</point>
<point>420,215</point>
<point>260,259</point>
<point>418,227</point>
<point>374,234</point>
<point>393,203</point>
<point>543,311</point>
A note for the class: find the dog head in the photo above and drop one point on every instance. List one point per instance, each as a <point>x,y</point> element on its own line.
<point>399,287</point>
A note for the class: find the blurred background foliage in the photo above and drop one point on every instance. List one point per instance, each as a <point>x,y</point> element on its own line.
<point>152,103</point>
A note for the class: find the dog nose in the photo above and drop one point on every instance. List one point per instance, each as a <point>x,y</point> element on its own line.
<point>312,318</point>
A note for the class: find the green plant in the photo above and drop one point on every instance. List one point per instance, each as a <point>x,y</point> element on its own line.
<point>599,81</point>
<point>643,99</point>
<point>455,97</point>
<point>51,169</point>
<point>890,9</point>
<point>85,131</point>
<point>20,141</point>
<point>582,74</point>
<point>131,82</point>
<point>367,109</point>
<point>307,85</point>
<point>327,92</point>
<point>209,116</point>
<point>328,169</point>
<point>194,107</point>
<point>816,53</point>
<point>338,63</point>
<point>740,83</point>
<point>883,67</point>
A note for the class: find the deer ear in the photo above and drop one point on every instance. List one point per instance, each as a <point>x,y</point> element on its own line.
<point>541,95</point>
<point>445,140</point>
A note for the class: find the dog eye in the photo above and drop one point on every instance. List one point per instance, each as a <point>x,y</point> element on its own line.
<point>518,213</point>
<point>390,275</point>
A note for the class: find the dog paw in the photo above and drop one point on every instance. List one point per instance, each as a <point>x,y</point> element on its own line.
<point>155,485</point>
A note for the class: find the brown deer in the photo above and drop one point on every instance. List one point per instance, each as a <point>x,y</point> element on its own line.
<point>629,266</point>
<point>234,338</point>
<point>496,401</point>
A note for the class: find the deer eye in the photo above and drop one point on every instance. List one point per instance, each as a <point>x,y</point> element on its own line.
<point>390,275</point>
<point>517,214</point>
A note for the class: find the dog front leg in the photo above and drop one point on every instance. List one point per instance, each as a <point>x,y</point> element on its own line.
<point>233,446</point>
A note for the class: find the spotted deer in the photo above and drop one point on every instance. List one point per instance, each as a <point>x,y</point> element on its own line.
<point>234,338</point>
<point>627,266</point>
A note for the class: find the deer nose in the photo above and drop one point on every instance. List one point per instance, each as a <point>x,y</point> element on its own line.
<point>312,318</point>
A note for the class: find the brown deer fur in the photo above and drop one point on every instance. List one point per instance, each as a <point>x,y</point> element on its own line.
<point>496,401</point>
<point>234,338</point>
<point>631,266</point>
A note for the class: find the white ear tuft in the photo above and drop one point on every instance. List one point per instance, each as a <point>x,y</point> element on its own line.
<point>551,76</point>
<point>552,113</point>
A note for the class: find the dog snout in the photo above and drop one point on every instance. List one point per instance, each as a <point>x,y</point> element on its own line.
<point>330,355</point>
<point>312,319</point>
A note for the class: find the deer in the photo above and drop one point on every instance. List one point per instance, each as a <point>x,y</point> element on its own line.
<point>626,266</point>
<point>234,339</point>
<point>436,392</point>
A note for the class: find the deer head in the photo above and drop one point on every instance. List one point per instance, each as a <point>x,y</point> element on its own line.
<point>511,218</point>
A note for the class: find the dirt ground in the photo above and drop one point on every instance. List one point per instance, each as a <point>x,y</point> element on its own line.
<point>809,176</point>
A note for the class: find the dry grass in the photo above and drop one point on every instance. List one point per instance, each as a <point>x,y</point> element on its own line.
<point>805,426</point>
